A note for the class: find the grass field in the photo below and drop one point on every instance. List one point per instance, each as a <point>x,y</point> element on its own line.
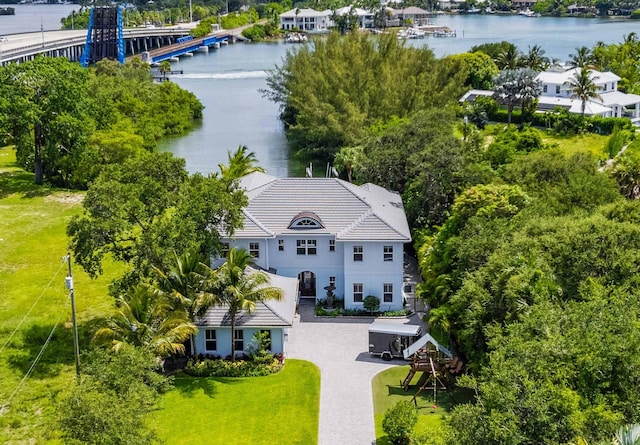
<point>33,298</point>
<point>276,409</point>
<point>387,392</point>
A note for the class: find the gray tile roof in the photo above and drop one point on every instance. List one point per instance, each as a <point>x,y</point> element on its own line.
<point>351,212</point>
<point>267,314</point>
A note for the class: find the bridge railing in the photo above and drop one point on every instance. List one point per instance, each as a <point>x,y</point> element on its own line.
<point>78,40</point>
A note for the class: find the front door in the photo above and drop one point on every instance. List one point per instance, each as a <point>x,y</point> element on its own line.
<point>307,284</point>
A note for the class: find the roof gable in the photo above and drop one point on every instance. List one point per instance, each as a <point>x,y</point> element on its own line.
<point>349,211</point>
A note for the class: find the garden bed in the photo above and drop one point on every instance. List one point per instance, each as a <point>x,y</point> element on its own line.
<point>213,366</point>
<point>339,311</point>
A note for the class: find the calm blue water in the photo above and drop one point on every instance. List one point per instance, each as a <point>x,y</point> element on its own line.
<point>227,80</point>
<point>28,18</point>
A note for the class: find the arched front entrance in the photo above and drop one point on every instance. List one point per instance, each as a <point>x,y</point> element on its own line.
<point>307,284</point>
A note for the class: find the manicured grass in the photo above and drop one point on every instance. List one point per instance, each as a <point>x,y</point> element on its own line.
<point>32,242</point>
<point>276,409</point>
<point>387,391</point>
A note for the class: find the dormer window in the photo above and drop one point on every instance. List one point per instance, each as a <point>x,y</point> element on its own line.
<point>305,221</point>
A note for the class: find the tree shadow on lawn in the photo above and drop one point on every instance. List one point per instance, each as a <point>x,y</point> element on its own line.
<point>445,400</point>
<point>188,386</point>
<point>20,181</point>
<point>56,356</point>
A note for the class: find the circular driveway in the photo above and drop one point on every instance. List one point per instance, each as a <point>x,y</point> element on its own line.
<point>339,347</point>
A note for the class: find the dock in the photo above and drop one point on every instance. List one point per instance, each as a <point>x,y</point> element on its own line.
<point>437,31</point>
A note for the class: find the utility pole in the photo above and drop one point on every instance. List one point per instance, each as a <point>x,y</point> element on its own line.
<point>190,12</point>
<point>69,284</point>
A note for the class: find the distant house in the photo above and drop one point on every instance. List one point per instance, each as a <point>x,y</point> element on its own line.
<point>365,17</point>
<point>274,318</point>
<point>556,91</point>
<point>523,4</point>
<point>450,4</point>
<point>414,15</point>
<point>306,19</point>
<point>328,234</point>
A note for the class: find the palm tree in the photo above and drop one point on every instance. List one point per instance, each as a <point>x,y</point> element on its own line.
<point>189,285</point>
<point>583,87</point>
<point>535,58</point>
<point>509,59</point>
<point>581,59</point>
<point>507,90</point>
<point>241,287</point>
<point>530,87</point>
<point>241,163</point>
<point>347,158</point>
<point>628,435</point>
<point>144,319</point>
<point>165,67</point>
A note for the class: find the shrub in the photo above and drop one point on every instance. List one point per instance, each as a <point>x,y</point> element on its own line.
<point>255,33</point>
<point>616,141</point>
<point>238,368</point>
<point>371,303</point>
<point>399,421</point>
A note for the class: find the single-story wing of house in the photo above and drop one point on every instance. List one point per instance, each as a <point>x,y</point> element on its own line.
<point>274,318</point>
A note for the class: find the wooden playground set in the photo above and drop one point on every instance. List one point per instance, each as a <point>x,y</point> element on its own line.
<point>436,363</point>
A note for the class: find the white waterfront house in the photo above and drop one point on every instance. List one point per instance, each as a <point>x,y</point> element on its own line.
<point>326,232</point>
<point>306,19</point>
<point>556,91</point>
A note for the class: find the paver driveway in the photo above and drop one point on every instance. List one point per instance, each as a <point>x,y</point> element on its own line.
<point>340,349</point>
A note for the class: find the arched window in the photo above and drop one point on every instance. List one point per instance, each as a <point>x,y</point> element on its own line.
<point>306,220</point>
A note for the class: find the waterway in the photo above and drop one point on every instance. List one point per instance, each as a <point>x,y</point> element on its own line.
<point>227,81</point>
<point>33,18</point>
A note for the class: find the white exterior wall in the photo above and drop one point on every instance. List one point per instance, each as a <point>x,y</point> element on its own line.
<point>565,90</point>
<point>223,340</point>
<point>373,272</point>
<point>323,264</point>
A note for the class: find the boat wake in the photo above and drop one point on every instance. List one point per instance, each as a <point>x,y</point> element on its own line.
<point>232,75</point>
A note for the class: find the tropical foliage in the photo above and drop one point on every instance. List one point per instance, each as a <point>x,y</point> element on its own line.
<point>241,288</point>
<point>332,92</point>
<point>67,122</point>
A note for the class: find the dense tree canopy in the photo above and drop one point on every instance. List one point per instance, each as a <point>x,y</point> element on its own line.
<point>67,122</point>
<point>332,92</point>
<point>147,208</point>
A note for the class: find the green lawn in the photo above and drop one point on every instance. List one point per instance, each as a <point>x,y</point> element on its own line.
<point>276,409</point>
<point>387,392</point>
<point>590,142</point>
<point>32,242</point>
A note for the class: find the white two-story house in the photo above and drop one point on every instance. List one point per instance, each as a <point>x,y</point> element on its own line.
<point>556,92</point>
<point>327,232</point>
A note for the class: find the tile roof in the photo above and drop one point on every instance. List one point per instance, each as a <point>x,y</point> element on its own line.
<point>305,12</point>
<point>349,211</point>
<point>561,78</point>
<point>267,314</point>
<point>619,98</point>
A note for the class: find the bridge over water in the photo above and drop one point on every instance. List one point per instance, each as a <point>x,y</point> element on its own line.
<point>70,43</point>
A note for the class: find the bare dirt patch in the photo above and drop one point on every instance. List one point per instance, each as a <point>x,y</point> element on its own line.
<point>65,198</point>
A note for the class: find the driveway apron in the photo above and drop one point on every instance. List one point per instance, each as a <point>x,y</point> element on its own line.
<point>339,347</point>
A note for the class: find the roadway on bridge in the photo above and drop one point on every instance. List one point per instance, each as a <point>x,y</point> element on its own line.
<point>17,42</point>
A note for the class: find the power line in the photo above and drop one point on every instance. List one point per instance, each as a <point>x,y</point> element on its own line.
<point>33,365</point>
<point>33,306</point>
